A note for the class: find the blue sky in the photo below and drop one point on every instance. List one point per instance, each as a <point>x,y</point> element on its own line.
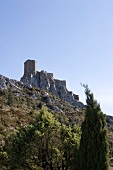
<point>71,38</point>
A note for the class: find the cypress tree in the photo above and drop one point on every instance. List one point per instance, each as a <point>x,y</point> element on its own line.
<point>94,149</point>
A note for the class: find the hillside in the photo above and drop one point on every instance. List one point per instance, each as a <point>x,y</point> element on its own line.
<point>20,104</point>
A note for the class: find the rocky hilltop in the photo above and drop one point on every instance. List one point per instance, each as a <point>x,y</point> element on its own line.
<point>46,81</point>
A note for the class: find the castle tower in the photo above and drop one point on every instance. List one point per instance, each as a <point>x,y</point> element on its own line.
<point>30,67</point>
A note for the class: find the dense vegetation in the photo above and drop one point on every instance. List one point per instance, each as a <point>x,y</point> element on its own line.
<point>44,143</point>
<point>33,137</point>
<point>94,149</point>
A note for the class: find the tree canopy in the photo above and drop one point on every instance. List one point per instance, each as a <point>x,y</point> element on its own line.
<point>93,150</point>
<point>44,144</point>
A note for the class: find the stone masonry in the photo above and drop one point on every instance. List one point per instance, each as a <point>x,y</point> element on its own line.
<point>30,67</point>
<point>46,81</point>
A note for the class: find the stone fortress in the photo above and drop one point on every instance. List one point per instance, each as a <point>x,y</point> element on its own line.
<point>46,81</point>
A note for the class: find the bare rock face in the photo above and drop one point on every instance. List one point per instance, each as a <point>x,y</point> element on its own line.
<point>47,82</point>
<point>3,82</point>
<point>6,83</point>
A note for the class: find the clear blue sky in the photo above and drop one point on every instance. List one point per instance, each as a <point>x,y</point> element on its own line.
<point>71,38</point>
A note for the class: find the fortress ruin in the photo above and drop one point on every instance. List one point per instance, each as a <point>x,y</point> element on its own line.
<point>46,81</point>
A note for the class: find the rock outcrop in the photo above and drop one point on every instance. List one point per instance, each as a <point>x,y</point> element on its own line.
<point>6,83</point>
<point>46,81</point>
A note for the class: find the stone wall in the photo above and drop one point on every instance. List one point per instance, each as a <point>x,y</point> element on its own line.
<point>30,67</point>
<point>60,82</point>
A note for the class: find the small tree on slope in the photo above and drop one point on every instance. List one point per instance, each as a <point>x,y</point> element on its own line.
<point>93,150</point>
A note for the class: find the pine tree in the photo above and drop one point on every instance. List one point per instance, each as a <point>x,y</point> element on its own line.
<point>93,150</point>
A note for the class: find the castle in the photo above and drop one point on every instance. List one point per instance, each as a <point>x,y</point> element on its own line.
<point>46,81</point>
